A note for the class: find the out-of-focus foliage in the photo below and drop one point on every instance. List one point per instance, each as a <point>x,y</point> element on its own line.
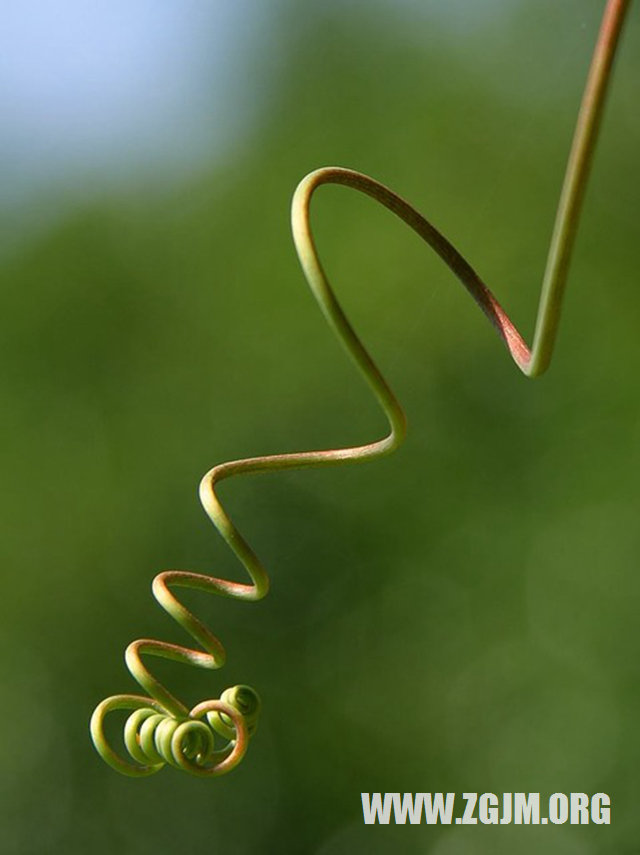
<point>461,616</point>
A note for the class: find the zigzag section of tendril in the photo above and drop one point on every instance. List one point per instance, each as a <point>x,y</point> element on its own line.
<point>160,728</point>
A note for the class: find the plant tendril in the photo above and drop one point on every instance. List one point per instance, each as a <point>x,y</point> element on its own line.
<point>160,729</point>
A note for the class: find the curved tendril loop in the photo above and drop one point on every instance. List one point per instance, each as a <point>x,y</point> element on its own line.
<point>161,729</point>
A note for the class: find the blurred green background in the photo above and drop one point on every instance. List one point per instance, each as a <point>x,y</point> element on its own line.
<point>461,616</point>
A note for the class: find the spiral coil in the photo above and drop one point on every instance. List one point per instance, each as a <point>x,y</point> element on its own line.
<point>160,729</point>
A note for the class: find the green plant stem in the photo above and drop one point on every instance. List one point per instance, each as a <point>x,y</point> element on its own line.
<point>573,187</point>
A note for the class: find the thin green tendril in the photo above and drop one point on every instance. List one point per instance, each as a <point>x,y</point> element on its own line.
<point>160,729</point>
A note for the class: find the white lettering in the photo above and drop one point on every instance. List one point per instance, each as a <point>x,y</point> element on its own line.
<point>558,808</point>
<point>601,809</point>
<point>437,808</point>
<point>526,808</point>
<point>374,810</point>
<point>488,809</point>
<point>467,817</point>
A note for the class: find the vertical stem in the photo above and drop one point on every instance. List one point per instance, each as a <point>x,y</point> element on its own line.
<point>575,180</point>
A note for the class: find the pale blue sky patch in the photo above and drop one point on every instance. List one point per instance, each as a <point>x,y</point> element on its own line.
<point>88,88</point>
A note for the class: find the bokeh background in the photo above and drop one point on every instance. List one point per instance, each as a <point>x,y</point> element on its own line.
<point>461,616</point>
